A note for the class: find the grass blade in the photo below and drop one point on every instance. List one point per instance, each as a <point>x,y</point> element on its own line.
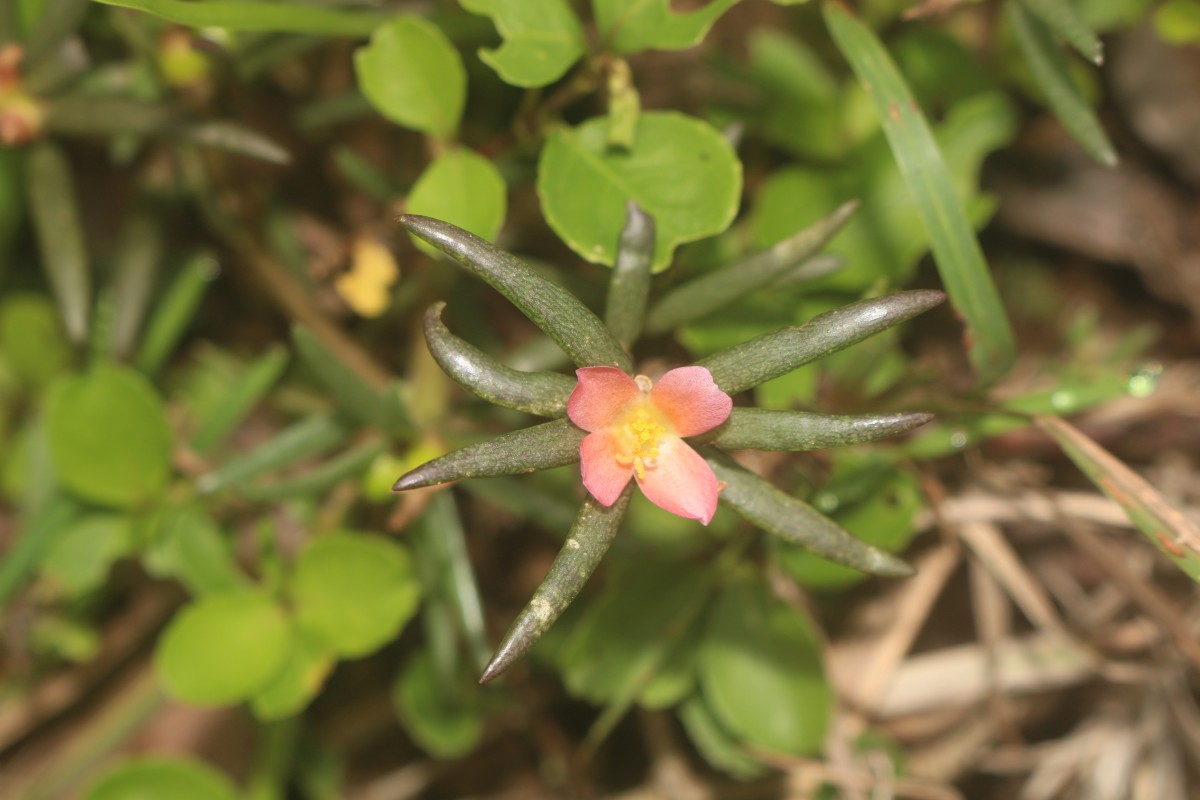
<point>1049,68</point>
<point>174,312</point>
<point>1166,528</point>
<point>60,236</point>
<point>1062,18</point>
<point>960,261</point>
<point>273,17</point>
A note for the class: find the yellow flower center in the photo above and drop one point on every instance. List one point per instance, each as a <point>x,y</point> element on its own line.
<point>642,435</point>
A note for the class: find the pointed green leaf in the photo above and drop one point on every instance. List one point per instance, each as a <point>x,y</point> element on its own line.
<point>796,521</point>
<point>240,400</point>
<point>542,39</point>
<point>578,331</point>
<point>718,289</point>
<point>354,395</point>
<point>320,478</point>
<point>252,16</point>
<point>59,230</point>
<point>308,437</point>
<point>1050,70</point>
<point>1164,525</point>
<point>746,365</point>
<point>1064,20</point>
<point>551,444</point>
<point>138,256</point>
<point>464,189</point>
<point>956,251</point>
<point>413,75</point>
<point>541,393</point>
<point>174,312</point>
<point>760,670</point>
<point>629,286</point>
<point>630,26</point>
<point>766,429</point>
<point>588,541</point>
<point>681,171</point>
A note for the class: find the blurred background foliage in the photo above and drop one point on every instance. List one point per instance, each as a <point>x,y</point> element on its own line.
<point>212,370</point>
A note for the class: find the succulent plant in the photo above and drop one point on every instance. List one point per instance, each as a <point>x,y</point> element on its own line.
<point>648,434</point>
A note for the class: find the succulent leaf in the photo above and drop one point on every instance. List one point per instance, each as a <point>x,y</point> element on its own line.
<point>766,429</point>
<point>629,286</point>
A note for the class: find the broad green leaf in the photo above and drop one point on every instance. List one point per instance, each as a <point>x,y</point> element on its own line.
<point>223,648</point>
<point>680,171</point>
<point>1178,21</point>
<point>79,558</point>
<point>542,39</point>
<point>252,16</point>
<point>870,498</point>
<point>797,522</point>
<point>541,393</point>
<point>55,213</point>
<point>577,331</point>
<point>1165,526</point>
<point>308,664</point>
<point>630,26</point>
<point>160,778</point>
<point>189,546</point>
<point>1062,18</point>
<point>354,592</point>
<point>623,637</point>
<point>761,673</point>
<point>960,261</point>
<point>442,717</point>
<point>413,75</point>
<point>588,540</point>
<point>715,743</point>
<point>1049,69</point>
<point>109,435</point>
<point>551,444</point>
<point>462,188</point>
<point>746,365</point>
<point>32,339</point>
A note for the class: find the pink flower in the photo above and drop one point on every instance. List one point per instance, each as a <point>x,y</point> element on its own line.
<point>635,429</point>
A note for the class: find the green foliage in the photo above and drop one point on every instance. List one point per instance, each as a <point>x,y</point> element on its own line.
<point>223,648</point>
<point>413,75</point>
<point>109,436</point>
<point>154,778</point>
<point>630,26</point>
<point>354,592</point>
<point>463,187</point>
<point>542,39</point>
<point>680,171</point>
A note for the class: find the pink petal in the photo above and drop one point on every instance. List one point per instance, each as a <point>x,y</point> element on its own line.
<point>602,475</point>
<point>680,481</point>
<point>600,396</point>
<point>690,399</point>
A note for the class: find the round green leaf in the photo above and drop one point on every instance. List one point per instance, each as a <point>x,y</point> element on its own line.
<point>224,648</point>
<point>159,778</point>
<point>109,437</point>
<point>79,558</point>
<point>760,670</point>
<point>355,592</point>
<point>303,675</point>
<point>542,39</point>
<point>464,189</point>
<point>681,171</point>
<point>413,76</point>
<point>445,723</point>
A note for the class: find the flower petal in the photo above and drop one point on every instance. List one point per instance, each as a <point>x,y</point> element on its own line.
<point>680,481</point>
<point>691,400</point>
<point>602,475</point>
<point>600,396</point>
